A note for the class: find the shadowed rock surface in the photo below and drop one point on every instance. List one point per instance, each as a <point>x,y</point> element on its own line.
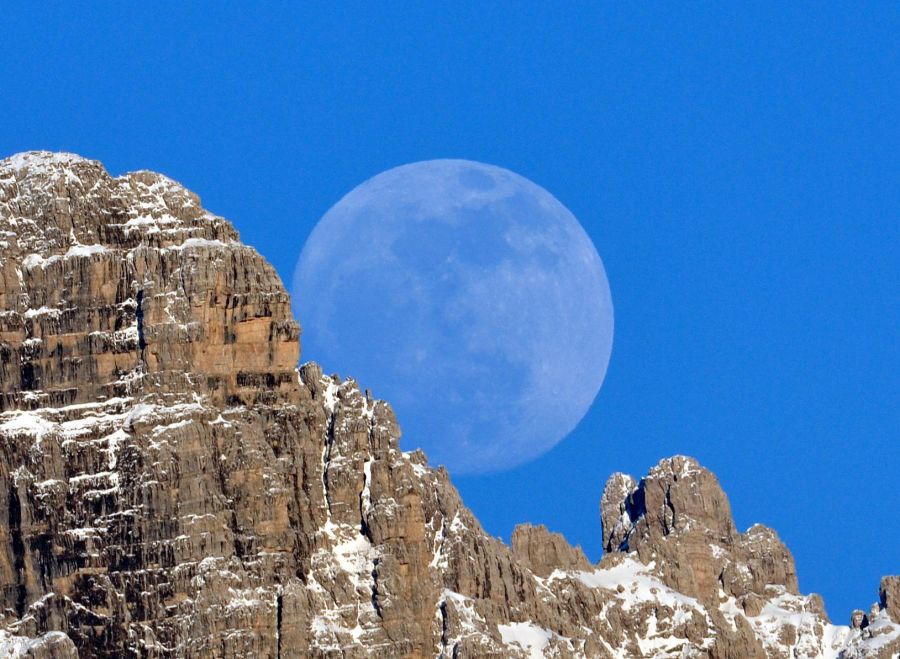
<point>172,486</point>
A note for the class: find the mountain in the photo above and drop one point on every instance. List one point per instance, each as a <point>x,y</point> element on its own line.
<point>171,485</point>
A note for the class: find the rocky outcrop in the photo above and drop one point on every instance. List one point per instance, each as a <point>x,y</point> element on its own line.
<point>617,510</point>
<point>543,552</point>
<point>678,519</point>
<point>679,516</point>
<point>172,486</point>
<point>890,596</point>
<point>106,279</point>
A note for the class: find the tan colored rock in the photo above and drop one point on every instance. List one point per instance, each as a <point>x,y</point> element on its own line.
<point>890,596</point>
<point>542,552</point>
<point>679,515</point>
<point>172,486</point>
<point>617,510</point>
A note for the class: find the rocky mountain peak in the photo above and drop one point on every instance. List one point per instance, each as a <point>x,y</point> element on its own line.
<point>46,163</point>
<point>679,517</point>
<point>618,510</point>
<point>171,485</point>
<point>543,552</point>
<point>115,283</point>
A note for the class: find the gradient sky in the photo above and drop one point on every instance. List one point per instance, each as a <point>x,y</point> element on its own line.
<point>738,170</point>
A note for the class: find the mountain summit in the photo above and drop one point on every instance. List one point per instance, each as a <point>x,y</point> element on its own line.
<point>171,485</point>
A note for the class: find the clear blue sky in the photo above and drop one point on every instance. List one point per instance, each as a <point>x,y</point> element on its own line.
<point>738,170</point>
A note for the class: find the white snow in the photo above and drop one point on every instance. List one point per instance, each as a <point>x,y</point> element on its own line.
<point>112,448</point>
<point>526,635</point>
<point>25,423</point>
<point>330,394</point>
<point>438,560</point>
<point>465,606</point>
<point>86,533</point>
<point>638,581</point>
<point>352,559</point>
<point>355,557</point>
<point>138,412</point>
<point>882,630</point>
<point>85,250</point>
<point>812,638</point>
<point>42,311</point>
<point>21,646</point>
<point>42,161</point>
<point>149,220</point>
<point>730,609</point>
<point>33,261</point>
<point>36,260</point>
<point>248,598</point>
<point>367,491</point>
<point>191,243</point>
<point>418,469</point>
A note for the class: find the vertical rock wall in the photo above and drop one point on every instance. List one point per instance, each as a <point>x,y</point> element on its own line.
<point>172,486</point>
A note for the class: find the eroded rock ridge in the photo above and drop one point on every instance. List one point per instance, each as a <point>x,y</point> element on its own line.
<point>172,486</point>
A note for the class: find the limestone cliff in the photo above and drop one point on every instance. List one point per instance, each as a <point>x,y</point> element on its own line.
<point>171,485</point>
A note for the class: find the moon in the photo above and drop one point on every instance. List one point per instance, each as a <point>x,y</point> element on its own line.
<point>469,298</point>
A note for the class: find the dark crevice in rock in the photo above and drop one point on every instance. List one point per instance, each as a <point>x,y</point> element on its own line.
<point>42,545</point>
<point>635,508</point>
<point>326,457</point>
<point>444,626</point>
<point>28,378</point>
<point>139,315</point>
<point>18,549</point>
<point>279,613</point>
<point>375,603</point>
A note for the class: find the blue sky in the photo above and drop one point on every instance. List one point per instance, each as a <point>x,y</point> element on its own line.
<point>737,168</point>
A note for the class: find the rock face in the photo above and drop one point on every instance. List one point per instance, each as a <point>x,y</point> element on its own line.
<point>890,597</point>
<point>172,486</point>
<point>543,552</point>
<point>679,516</point>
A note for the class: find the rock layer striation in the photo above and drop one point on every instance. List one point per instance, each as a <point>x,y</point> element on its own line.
<point>171,485</point>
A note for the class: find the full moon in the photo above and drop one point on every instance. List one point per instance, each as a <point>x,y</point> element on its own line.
<point>470,299</point>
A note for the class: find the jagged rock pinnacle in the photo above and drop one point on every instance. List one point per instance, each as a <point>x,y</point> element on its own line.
<point>172,486</point>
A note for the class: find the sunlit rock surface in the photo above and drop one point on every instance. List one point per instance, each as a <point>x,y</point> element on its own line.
<point>172,486</point>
